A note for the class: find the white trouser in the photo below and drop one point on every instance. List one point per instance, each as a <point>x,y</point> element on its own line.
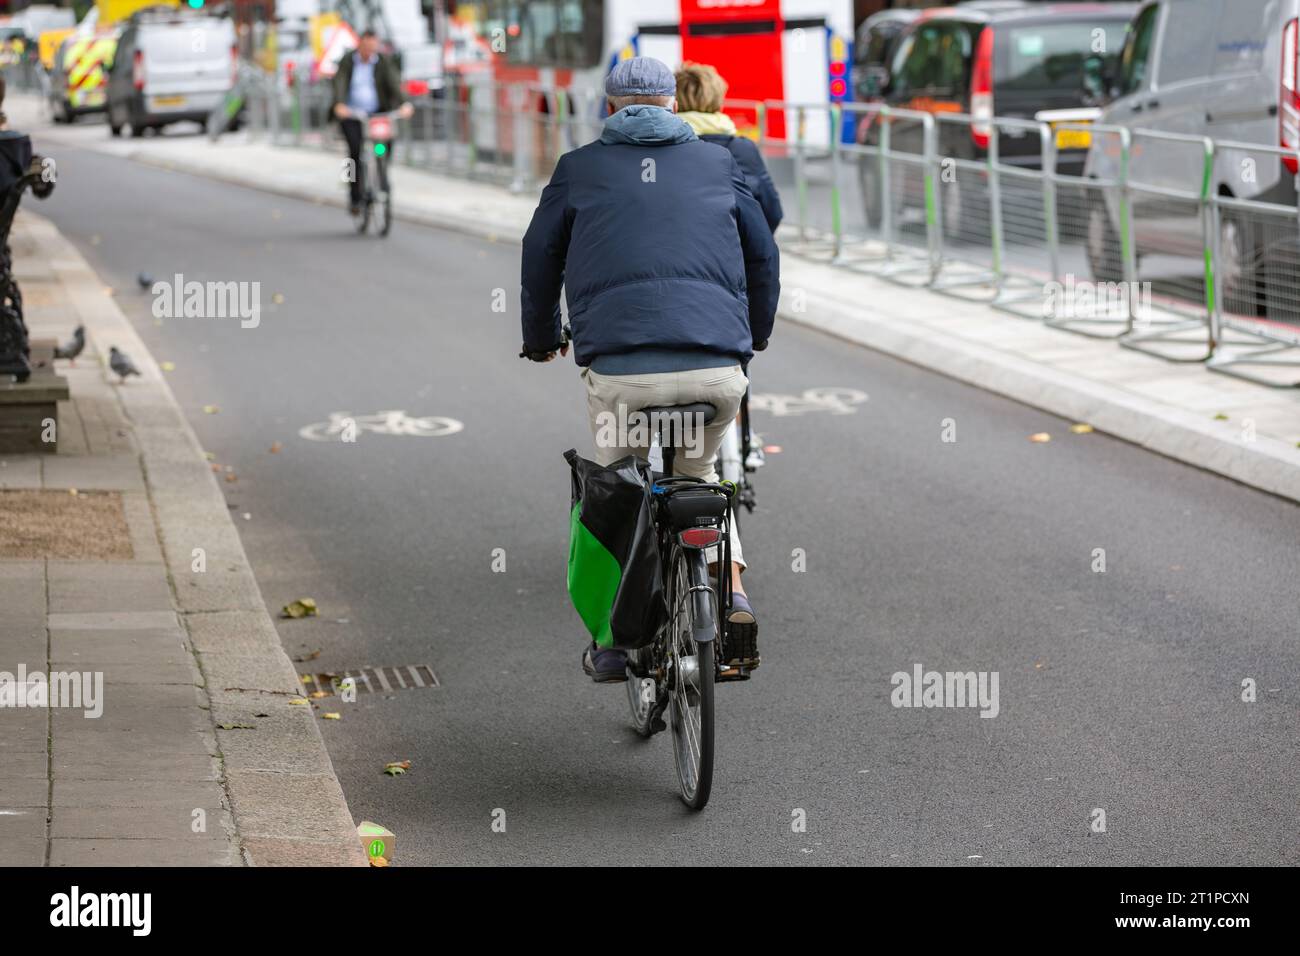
<point>615,397</point>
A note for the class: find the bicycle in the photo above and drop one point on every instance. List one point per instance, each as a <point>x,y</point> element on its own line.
<point>678,669</point>
<point>376,145</point>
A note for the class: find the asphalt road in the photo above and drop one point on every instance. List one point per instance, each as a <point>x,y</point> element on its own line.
<point>1118,691</point>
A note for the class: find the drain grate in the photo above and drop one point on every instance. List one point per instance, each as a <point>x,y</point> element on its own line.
<point>375,680</point>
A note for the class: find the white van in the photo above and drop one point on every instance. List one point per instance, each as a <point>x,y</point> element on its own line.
<point>171,66</point>
<point>1224,69</point>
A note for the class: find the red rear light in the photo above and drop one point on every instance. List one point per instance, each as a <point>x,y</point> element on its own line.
<point>700,537</point>
<point>981,96</point>
<point>1289,101</point>
<point>417,87</point>
<point>838,88</point>
<point>137,70</point>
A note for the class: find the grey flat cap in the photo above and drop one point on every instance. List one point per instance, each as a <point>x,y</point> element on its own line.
<point>641,76</point>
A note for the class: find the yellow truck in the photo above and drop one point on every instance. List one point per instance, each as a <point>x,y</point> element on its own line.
<point>118,11</point>
<point>79,79</point>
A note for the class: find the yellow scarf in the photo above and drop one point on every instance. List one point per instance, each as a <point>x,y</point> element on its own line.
<point>706,123</point>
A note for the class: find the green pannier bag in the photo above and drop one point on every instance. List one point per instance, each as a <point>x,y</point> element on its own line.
<point>615,577</point>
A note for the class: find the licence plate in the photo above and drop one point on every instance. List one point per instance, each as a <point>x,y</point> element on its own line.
<point>169,101</point>
<point>1073,138</point>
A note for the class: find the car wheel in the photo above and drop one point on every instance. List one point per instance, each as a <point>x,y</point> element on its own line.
<point>1103,244</point>
<point>1239,265</point>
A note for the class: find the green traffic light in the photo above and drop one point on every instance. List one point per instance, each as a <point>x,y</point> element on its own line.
<point>380,149</point>
<point>196,4</point>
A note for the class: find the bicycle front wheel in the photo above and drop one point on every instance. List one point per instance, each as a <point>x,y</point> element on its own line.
<point>384,201</point>
<point>691,679</point>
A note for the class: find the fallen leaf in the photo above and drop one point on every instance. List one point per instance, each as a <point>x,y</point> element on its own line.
<point>318,694</point>
<point>277,298</point>
<point>210,456</point>
<point>332,715</point>
<point>1040,437</point>
<point>1220,417</point>
<point>378,861</point>
<point>216,468</point>
<point>167,366</point>
<point>210,409</point>
<point>1081,428</point>
<point>303,607</point>
<point>299,701</point>
<point>236,727</point>
<point>275,447</point>
<point>397,768</point>
<point>307,657</point>
<point>231,476</point>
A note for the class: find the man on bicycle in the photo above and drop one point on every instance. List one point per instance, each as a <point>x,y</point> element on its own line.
<point>367,82</point>
<point>671,277</point>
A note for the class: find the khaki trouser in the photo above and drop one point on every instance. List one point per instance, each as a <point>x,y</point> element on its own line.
<point>620,395</point>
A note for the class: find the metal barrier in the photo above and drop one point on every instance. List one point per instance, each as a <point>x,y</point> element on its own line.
<point>1138,249</point>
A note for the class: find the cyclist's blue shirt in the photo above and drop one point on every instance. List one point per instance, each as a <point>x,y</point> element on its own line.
<point>362,93</point>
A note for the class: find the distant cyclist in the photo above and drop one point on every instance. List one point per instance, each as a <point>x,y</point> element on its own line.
<point>671,277</point>
<point>367,82</point>
<point>700,92</point>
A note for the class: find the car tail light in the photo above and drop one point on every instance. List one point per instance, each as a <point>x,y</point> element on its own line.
<point>137,70</point>
<point>700,537</point>
<point>981,96</point>
<point>1289,101</point>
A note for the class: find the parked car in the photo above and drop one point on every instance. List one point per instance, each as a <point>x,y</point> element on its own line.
<point>1226,69</point>
<point>171,66</point>
<point>986,60</point>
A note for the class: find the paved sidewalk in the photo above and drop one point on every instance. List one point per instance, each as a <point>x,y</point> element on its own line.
<point>198,757</point>
<point>1244,431</point>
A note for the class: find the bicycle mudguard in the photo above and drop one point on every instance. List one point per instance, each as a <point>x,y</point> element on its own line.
<point>703,623</point>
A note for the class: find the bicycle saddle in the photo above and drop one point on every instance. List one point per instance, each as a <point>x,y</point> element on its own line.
<point>682,412</point>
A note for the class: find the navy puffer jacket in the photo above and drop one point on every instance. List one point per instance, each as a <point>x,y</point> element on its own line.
<point>757,177</point>
<point>657,242</point>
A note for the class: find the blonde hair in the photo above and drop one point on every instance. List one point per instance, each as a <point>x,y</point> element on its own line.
<point>700,88</point>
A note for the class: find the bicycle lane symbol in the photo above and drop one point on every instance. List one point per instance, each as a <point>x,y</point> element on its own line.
<point>835,401</point>
<point>345,427</point>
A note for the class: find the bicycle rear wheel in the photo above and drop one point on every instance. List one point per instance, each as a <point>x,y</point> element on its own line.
<point>690,659</point>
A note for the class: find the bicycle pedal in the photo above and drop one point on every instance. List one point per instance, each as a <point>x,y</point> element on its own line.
<point>658,725</point>
<point>731,674</point>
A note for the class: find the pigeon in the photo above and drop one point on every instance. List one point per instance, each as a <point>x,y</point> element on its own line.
<point>120,363</point>
<point>144,279</point>
<point>72,348</point>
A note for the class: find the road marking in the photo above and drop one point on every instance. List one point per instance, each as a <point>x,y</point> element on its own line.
<point>836,401</point>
